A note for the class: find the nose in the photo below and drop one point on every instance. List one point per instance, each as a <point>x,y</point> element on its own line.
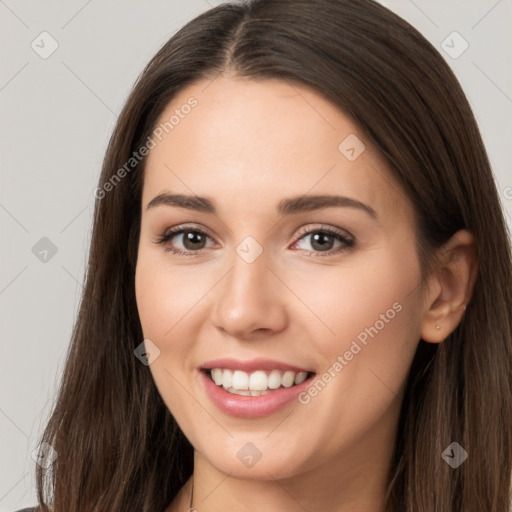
<point>250,301</point>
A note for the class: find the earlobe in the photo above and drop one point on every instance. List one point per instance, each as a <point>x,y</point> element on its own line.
<point>451,287</point>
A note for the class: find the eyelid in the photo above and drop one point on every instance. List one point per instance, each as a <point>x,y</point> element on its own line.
<point>323,227</point>
<point>183,227</point>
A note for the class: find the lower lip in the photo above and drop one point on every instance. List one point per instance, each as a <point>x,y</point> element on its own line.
<point>251,406</point>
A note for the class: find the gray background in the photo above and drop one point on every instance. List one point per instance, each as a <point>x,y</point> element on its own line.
<point>57,115</point>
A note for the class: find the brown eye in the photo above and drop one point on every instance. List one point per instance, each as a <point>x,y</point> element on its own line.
<point>193,240</point>
<point>189,241</point>
<point>322,241</point>
<point>325,240</point>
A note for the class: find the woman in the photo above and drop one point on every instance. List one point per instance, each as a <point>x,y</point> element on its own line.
<point>298,286</point>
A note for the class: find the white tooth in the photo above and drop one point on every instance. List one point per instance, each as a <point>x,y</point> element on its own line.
<point>274,379</point>
<point>300,377</point>
<point>243,392</point>
<point>287,379</point>
<point>240,380</point>
<point>258,381</point>
<point>227,379</point>
<point>217,376</point>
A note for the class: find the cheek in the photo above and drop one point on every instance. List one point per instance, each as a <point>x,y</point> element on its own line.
<point>166,296</point>
<point>165,300</point>
<point>365,363</point>
<point>372,307</point>
<point>344,300</point>
<point>371,326</point>
<point>162,300</point>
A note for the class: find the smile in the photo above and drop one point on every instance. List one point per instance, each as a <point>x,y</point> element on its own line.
<point>260,382</point>
<point>252,389</point>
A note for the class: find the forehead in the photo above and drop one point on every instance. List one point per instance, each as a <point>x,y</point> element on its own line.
<point>245,141</point>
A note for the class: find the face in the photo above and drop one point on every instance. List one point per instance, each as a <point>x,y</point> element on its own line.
<point>267,285</point>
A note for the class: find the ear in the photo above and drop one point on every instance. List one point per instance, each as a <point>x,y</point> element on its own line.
<point>450,287</point>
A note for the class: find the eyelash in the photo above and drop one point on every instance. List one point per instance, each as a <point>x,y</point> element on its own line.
<point>348,242</point>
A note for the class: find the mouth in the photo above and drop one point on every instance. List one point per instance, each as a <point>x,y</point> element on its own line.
<point>255,383</point>
<point>253,388</point>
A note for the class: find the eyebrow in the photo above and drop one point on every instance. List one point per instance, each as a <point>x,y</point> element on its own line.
<point>286,206</point>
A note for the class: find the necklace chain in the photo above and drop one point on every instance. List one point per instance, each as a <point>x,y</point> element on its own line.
<point>190,507</point>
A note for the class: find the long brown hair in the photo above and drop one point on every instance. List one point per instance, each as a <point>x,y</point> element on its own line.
<point>119,448</point>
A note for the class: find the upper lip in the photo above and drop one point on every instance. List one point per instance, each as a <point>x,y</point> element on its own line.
<point>251,365</point>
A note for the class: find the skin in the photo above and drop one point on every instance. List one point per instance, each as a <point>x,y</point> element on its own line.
<point>247,145</point>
